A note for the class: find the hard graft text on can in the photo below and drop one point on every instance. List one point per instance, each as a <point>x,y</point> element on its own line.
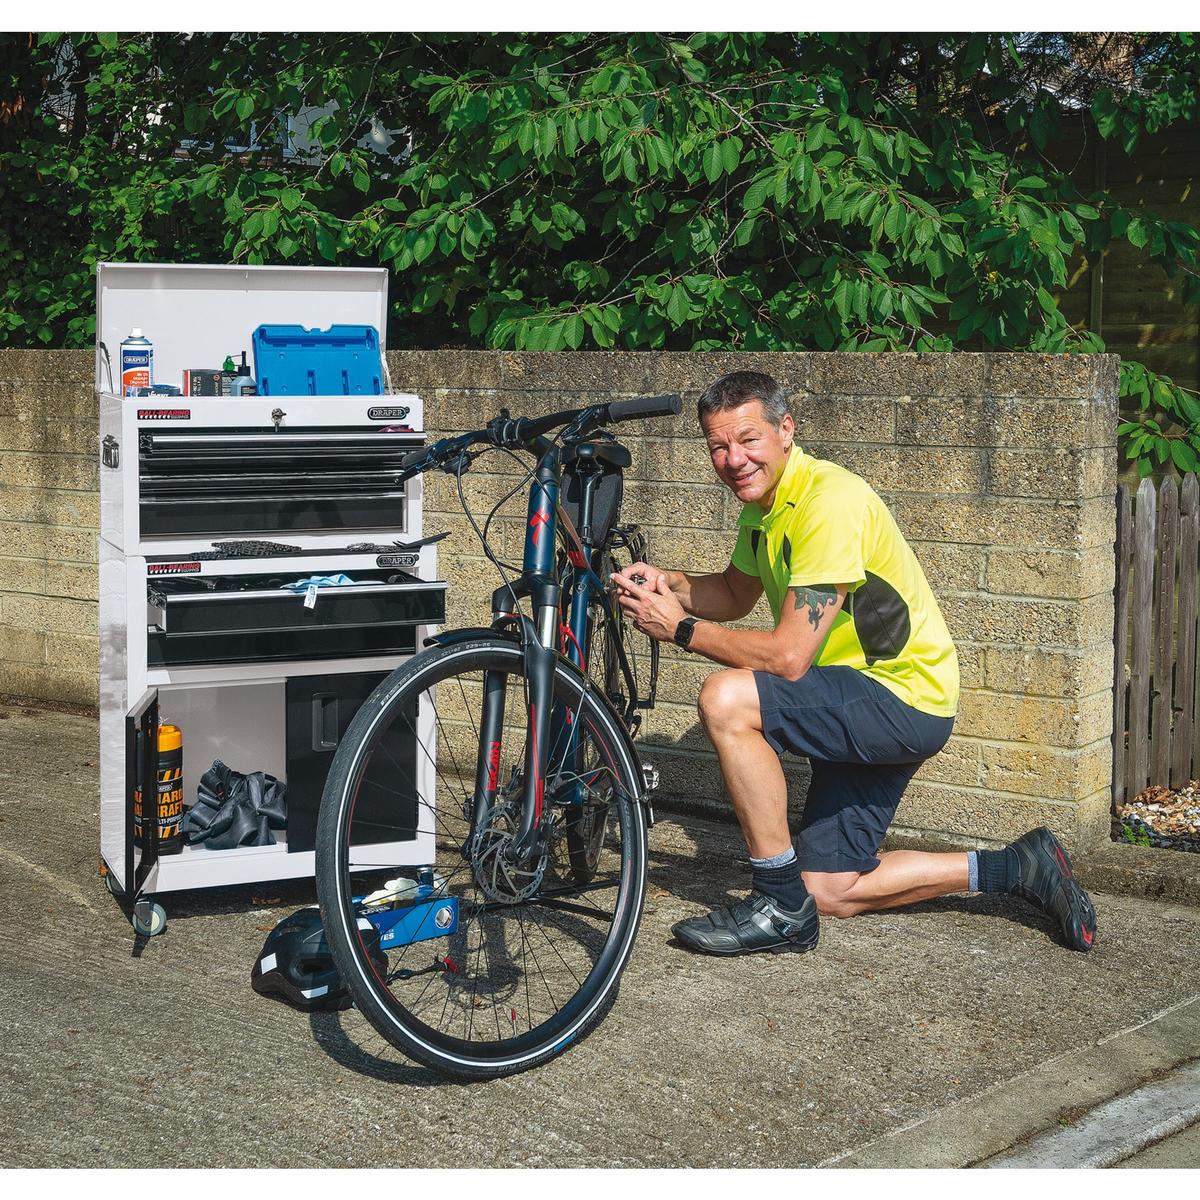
<point>168,795</point>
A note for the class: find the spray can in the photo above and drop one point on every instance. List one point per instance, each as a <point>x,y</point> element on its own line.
<point>137,363</point>
<point>167,812</point>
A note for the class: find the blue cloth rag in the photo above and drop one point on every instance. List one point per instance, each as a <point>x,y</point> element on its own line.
<point>302,585</point>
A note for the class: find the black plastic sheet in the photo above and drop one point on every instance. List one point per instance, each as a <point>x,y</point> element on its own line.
<point>233,809</point>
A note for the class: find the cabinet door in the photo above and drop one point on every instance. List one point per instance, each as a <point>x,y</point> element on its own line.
<point>141,764</point>
<point>319,710</point>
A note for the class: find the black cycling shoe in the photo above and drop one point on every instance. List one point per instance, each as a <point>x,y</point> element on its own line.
<point>750,926</point>
<point>1046,879</point>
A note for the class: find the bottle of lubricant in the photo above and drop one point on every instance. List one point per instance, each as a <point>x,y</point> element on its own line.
<point>137,363</point>
<point>166,810</point>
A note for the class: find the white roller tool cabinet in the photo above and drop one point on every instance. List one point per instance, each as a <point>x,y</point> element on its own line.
<point>209,506</point>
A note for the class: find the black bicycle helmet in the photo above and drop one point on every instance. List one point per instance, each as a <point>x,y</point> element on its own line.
<point>295,964</point>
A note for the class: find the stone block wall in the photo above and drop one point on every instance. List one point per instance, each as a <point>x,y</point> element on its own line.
<point>49,522</point>
<point>999,468</point>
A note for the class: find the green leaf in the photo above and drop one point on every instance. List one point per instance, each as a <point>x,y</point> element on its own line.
<point>547,137</point>
<point>361,180</point>
<point>757,192</point>
<point>1182,456</point>
<point>194,118</point>
<point>326,244</point>
<point>244,107</point>
<point>677,306</point>
<point>291,199</point>
<point>841,299</point>
<point>423,244</point>
<point>107,40</point>
<point>713,163</point>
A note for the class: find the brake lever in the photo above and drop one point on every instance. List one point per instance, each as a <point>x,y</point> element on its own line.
<point>455,464</point>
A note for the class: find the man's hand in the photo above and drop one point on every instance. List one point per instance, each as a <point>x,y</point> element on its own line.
<point>652,606</point>
<point>641,573</point>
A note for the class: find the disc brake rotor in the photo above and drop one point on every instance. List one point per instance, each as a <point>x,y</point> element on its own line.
<point>499,877</point>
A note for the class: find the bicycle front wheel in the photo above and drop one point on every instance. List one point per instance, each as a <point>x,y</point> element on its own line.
<point>517,960</point>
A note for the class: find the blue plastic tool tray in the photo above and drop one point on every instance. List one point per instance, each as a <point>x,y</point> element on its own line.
<point>343,360</point>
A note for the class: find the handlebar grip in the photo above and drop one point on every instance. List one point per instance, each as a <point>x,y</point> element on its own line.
<point>412,459</point>
<point>644,406</point>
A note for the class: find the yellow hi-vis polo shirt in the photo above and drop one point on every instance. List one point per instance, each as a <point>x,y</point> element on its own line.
<point>827,526</point>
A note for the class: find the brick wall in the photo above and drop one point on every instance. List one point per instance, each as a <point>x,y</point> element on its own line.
<point>999,468</point>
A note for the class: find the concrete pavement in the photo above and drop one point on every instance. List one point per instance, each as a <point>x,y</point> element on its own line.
<point>938,1035</point>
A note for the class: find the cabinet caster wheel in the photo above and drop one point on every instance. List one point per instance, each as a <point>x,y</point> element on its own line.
<point>111,883</point>
<point>149,919</point>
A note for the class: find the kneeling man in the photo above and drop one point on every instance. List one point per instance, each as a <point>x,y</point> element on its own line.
<point>859,675</point>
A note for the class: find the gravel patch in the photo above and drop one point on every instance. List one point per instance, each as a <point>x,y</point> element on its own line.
<point>1158,816</point>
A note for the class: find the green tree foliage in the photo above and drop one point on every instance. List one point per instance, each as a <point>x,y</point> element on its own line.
<point>746,191</point>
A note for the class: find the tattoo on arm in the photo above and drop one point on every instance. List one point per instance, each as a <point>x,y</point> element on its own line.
<point>816,599</point>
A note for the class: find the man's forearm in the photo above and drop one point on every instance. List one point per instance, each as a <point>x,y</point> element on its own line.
<point>705,596</point>
<point>749,649</point>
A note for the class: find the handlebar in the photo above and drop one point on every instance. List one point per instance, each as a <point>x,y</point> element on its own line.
<point>646,406</point>
<point>523,433</point>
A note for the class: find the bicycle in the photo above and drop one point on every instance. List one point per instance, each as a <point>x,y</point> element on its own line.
<point>513,746</point>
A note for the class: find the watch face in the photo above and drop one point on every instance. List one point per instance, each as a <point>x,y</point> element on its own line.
<point>683,632</point>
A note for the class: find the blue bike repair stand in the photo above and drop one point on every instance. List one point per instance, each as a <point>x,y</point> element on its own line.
<point>419,921</point>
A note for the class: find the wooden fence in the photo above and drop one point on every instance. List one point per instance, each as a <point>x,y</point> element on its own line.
<point>1154,697</point>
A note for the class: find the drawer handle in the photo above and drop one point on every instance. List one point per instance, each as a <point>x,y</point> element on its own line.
<point>325,721</point>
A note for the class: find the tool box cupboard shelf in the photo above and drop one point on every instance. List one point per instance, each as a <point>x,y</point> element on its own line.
<point>197,627</point>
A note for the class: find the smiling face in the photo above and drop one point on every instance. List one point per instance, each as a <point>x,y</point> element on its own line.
<point>748,453</point>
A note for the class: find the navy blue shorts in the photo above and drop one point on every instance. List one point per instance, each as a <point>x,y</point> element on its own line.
<point>864,744</point>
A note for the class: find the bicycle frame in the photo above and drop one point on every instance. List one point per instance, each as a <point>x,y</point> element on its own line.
<point>550,629</point>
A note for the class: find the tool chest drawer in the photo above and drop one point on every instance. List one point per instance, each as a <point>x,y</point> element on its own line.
<point>252,480</point>
<point>246,618</point>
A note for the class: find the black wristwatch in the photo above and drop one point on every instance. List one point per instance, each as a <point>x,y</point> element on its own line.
<point>683,632</point>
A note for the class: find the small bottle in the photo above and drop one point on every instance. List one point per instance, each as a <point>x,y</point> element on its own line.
<point>243,382</point>
<point>137,363</point>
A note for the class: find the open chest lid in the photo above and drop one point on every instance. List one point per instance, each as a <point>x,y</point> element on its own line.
<point>194,314</point>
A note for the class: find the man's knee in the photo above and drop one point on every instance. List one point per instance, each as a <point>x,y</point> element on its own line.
<point>728,702</point>
<point>832,892</point>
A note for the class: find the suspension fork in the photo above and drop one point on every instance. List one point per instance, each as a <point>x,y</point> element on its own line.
<point>541,651</point>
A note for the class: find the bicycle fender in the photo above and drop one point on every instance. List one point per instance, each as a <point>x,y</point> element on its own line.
<point>452,637</point>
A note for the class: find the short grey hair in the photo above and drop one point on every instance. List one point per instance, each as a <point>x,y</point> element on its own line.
<point>740,387</point>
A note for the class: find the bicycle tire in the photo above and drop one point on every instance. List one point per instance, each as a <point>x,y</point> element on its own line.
<point>500,979</point>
